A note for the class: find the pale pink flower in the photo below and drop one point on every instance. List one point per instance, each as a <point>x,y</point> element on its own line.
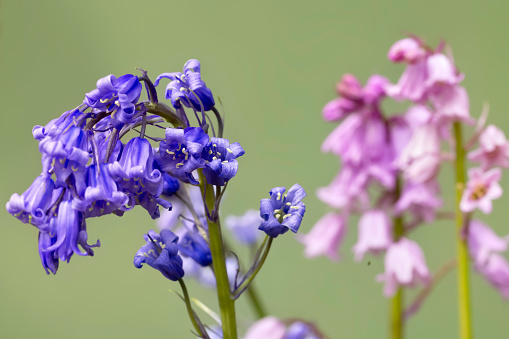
<point>482,188</point>
<point>405,265</point>
<point>420,159</point>
<point>483,242</point>
<point>494,149</point>
<point>496,272</point>
<point>407,50</point>
<point>412,83</point>
<point>451,104</point>
<point>375,234</point>
<point>325,237</point>
<point>266,328</point>
<point>421,200</point>
<point>441,72</point>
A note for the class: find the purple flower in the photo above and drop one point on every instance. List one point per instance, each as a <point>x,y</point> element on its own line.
<point>102,195</point>
<point>188,88</point>
<point>181,153</point>
<point>483,242</point>
<point>411,84</point>
<point>245,227</point>
<point>496,272</point>
<point>451,104</point>
<point>117,95</point>
<point>300,330</point>
<point>282,211</point>
<point>421,200</point>
<point>420,159</point>
<point>134,171</point>
<point>482,188</point>
<point>70,231</point>
<point>161,252</point>
<point>441,73</point>
<point>325,237</point>
<point>32,205</point>
<point>49,259</point>
<point>404,266</point>
<point>193,245</point>
<point>267,328</point>
<point>171,185</point>
<point>221,164</point>
<point>57,126</point>
<point>375,234</point>
<point>494,149</point>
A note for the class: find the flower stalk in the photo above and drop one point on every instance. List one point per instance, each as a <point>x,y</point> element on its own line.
<point>462,237</point>
<point>397,300</point>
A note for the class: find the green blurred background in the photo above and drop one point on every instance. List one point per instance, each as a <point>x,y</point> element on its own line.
<point>274,65</point>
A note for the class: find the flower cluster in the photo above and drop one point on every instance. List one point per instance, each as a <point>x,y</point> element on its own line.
<point>401,155</point>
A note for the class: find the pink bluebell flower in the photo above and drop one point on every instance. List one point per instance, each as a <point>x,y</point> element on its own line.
<point>375,233</point>
<point>482,187</point>
<point>325,237</point>
<point>496,272</point>
<point>266,328</point>
<point>405,265</point>
<point>421,200</point>
<point>483,242</point>
<point>494,149</point>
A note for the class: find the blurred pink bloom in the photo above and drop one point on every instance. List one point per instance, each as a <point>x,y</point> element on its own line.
<point>483,242</point>
<point>482,188</point>
<point>325,237</point>
<point>494,150</point>
<point>354,98</point>
<point>375,234</point>
<point>266,328</point>
<point>405,265</point>
<point>441,72</point>
<point>421,200</point>
<point>496,272</point>
<point>451,104</point>
<point>420,159</point>
<point>407,50</point>
<point>412,83</point>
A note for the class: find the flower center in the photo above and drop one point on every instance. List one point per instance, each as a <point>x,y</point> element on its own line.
<point>479,191</point>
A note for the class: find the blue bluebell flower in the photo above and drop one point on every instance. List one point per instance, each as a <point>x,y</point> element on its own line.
<point>221,160</point>
<point>171,185</point>
<point>282,211</point>
<point>70,231</point>
<point>134,172</point>
<point>181,152</point>
<point>161,252</point>
<point>49,259</point>
<point>32,205</point>
<point>116,95</point>
<point>300,330</point>
<point>57,126</point>
<point>188,89</point>
<point>194,246</point>
<point>245,227</point>
<point>102,195</point>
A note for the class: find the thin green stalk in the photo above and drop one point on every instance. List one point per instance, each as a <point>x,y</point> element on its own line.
<point>397,301</point>
<point>226,303</point>
<point>465,321</point>
<point>189,308</point>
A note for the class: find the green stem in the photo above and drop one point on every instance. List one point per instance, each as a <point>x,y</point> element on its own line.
<point>190,311</point>
<point>226,303</point>
<point>255,302</point>
<point>462,246</point>
<point>397,300</point>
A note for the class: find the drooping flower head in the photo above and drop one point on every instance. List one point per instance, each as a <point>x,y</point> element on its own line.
<point>404,266</point>
<point>181,152</point>
<point>281,211</point>
<point>325,237</point>
<point>188,89</point>
<point>483,242</point>
<point>161,252</point>
<point>494,149</point>
<point>375,233</point>
<point>221,160</point>
<point>193,245</point>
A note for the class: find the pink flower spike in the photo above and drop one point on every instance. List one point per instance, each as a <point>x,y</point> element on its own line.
<point>451,104</point>
<point>496,272</point>
<point>494,150</point>
<point>405,265</point>
<point>375,234</point>
<point>406,50</point>
<point>325,237</point>
<point>483,242</point>
<point>482,188</point>
<point>266,328</point>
